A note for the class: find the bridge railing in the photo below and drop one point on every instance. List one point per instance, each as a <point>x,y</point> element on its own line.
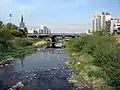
<point>54,34</point>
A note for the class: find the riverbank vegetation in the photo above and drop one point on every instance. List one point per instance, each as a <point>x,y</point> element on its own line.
<point>96,59</point>
<point>14,44</point>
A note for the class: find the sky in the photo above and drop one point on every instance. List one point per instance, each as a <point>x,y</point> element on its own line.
<point>59,15</point>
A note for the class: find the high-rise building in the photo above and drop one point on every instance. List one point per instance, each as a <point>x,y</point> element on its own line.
<point>93,25</point>
<point>22,24</point>
<point>99,21</point>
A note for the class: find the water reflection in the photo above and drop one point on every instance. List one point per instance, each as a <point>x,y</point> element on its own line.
<point>22,62</point>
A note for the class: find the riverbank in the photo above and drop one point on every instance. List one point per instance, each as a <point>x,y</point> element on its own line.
<point>20,48</point>
<point>86,74</point>
<point>40,43</point>
<point>96,62</point>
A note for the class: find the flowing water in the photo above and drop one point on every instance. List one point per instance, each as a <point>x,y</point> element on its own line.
<point>44,70</point>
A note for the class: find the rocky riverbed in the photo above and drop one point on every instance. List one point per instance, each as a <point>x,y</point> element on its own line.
<point>44,70</point>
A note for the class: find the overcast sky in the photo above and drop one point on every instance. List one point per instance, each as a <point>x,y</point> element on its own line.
<point>58,15</point>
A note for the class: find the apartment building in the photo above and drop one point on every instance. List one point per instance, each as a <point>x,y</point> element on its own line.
<point>113,25</point>
<point>99,21</point>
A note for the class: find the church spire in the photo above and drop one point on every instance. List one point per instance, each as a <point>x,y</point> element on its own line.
<point>22,24</point>
<point>22,18</point>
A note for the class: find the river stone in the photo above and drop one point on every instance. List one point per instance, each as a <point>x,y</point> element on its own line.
<point>10,89</point>
<point>73,54</point>
<point>1,66</point>
<point>6,64</point>
<point>18,85</point>
<point>1,62</point>
<point>34,75</point>
<point>26,76</point>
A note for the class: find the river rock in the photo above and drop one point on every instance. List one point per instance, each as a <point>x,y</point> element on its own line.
<point>6,64</point>
<point>1,66</point>
<point>26,76</point>
<point>56,68</point>
<point>34,75</point>
<point>61,71</point>
<point>73,54</point>
<point>10,89</point>
<point>19,85</point>
<point>1,62</point>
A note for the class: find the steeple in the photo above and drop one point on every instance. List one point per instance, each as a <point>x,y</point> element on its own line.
<point>22,24</point>
<point>22,18</point>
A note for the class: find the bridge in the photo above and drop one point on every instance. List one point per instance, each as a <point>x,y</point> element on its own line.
<point>54,35</point>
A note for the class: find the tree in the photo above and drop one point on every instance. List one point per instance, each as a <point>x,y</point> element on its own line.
<point>1,24</point>
<point>10,26</point>
<point>5,43</point>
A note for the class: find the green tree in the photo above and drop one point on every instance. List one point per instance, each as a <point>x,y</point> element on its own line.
<point>5,43</point>
<point>13,29</point>
<point>1,24</point>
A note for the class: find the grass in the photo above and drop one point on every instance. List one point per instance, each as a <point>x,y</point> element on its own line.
<point>86,69</point>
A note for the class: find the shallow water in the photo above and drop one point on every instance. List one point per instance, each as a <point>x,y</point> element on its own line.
<point>44,70</point>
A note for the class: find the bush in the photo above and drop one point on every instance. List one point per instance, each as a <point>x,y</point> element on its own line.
<point>106,53</point>
<point>23,42</point>
<point>88,44</point>
<point>108,58</point>
<point>95,73</point>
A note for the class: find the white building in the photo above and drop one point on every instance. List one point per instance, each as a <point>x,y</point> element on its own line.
<point>30,30</point>
<point>113,25</point>
<point>42,30</point>
<point>99,21</point>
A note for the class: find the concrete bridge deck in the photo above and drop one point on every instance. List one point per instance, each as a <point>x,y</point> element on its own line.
<point>54,34</point>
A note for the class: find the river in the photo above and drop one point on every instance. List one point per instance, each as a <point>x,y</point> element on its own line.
<point>47,66</point>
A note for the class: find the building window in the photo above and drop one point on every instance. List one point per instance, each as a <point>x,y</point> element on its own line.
<point>41,31</point>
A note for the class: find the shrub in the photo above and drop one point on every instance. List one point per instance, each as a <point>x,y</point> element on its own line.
<point>88,44</point>
<point>107,57</point>
<point>95,73</point>
<point>106,52</point>
<point>23,42</point>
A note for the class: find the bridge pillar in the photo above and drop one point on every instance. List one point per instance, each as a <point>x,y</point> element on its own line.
<point>53,41</point>
<point>73,36</point>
